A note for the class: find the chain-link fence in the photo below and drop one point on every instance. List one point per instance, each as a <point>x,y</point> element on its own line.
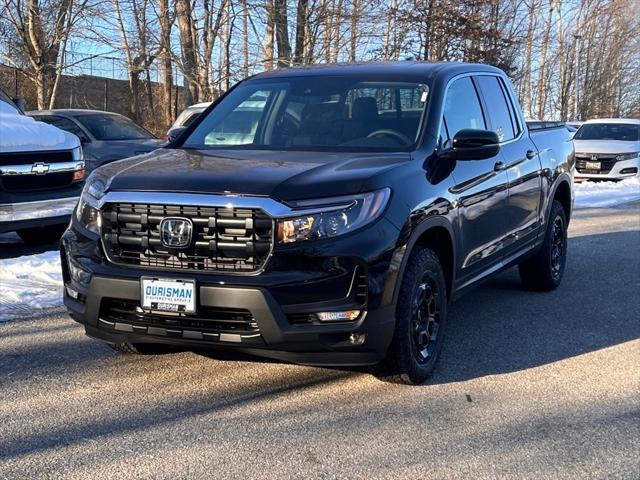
<point>100,82</point>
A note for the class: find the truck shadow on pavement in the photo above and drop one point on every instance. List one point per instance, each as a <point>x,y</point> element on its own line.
<point>500,327</point>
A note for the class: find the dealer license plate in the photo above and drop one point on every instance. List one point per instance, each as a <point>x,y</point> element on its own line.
<point>592,165</point>
<point>168,295</point>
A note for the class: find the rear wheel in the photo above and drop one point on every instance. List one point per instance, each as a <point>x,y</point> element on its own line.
<point>421,314</point>
<point>544,271</point>
<point>42,235</point>
<point>141,348</point>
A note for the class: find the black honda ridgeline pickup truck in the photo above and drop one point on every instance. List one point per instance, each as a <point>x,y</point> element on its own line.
<point>323,216</point>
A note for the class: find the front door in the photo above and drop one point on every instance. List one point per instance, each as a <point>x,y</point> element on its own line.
<point>480,188</point>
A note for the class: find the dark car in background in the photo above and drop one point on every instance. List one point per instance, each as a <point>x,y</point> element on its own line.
<point>105,136</point>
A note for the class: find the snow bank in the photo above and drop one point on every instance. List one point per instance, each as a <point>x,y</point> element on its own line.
<point>606,194</point>
<point>29,284</point>
<point>19,130</point>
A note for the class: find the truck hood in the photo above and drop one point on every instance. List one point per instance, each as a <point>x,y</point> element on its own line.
<point>605,146</point>
<point>279,174</point>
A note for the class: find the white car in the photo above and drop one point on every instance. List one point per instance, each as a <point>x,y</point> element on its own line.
<point>41,175</point>
<point>607,149</point>
<point>185,119</point>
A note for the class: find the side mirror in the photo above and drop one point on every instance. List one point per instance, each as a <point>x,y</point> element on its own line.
<point>474,144</point>
<point>175,133</point>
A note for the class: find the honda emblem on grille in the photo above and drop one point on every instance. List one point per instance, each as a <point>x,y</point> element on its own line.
<point>176,232</point>
<point>594,156</point>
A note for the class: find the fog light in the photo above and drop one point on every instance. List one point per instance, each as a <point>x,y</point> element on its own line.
<point>72,293</point>
<point>347,316</point>
<point>625,171</point>
<point>357,338</point>
<point>77,274</point>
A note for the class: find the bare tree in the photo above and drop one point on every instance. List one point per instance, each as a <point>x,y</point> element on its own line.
<point>41,30</point>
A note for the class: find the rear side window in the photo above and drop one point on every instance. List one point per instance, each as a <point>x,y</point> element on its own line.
<point>498,110</point>
<point>462,107</point>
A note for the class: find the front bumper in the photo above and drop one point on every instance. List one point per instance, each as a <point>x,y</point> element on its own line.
<point>619,171</point>
<point>14,216</point>
<point>327,277</point>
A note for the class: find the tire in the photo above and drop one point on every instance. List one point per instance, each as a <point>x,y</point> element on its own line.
<point>544,271</point>
<point>42,235</point>
<point>421,314</point>
<point>140,348</point>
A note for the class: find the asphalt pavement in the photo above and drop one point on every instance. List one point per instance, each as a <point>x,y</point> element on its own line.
<point>530,385</point>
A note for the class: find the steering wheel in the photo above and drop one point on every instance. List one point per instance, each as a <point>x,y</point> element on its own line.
<point>391,133</point>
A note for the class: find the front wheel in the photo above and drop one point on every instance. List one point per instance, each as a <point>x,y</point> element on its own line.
<point>544,271</point>
<point>421,314</point>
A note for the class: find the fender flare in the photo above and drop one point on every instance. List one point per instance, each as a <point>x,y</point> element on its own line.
<point>563,177</point>
<point>403,253</point>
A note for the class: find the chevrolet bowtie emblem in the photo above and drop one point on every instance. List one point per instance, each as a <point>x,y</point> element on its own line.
<point>40,168</point>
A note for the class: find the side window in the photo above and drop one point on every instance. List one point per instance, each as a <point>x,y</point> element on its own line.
<point>462,107</point>
<point>498,110</point>
<point>66,125</point>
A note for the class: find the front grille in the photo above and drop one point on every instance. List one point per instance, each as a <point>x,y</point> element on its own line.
<point>228,240</point>
<point>29,158</point>
<point>606,164</point>
<point>209,323</point>
<point>30,183</point>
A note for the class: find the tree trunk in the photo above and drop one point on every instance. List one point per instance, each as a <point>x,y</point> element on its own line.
<point>541,90</point>
<point>301,31</point>
<point>355,21</point>
<point>166,68</point>
<point>245,39</point>
<point>282,33</point>
<point>188,47</point>
<point>269,33</point>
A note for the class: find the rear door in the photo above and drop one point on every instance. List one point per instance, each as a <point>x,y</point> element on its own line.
<point>520,160</point>
<point>480,188</point>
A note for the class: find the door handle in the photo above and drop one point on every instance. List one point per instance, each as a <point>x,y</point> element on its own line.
<point>499,166</point>
<point>530,154</point>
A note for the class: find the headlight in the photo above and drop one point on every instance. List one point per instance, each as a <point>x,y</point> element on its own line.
<point>627,156</point>
<point>331,217</point>
<point>77,154</point>
<point>88,210</point>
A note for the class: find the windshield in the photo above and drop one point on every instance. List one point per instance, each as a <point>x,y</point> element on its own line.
<point>316,114</point>
<point>609,131</point>
<point>112,127</point>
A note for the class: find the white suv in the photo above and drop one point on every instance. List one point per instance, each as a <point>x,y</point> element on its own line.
<point>608,149</point>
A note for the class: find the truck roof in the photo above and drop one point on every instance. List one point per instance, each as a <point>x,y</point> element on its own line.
<point>400,68</point>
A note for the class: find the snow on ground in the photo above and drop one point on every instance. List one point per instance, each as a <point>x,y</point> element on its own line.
<point>606,194</point>
<point>29,284</point>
